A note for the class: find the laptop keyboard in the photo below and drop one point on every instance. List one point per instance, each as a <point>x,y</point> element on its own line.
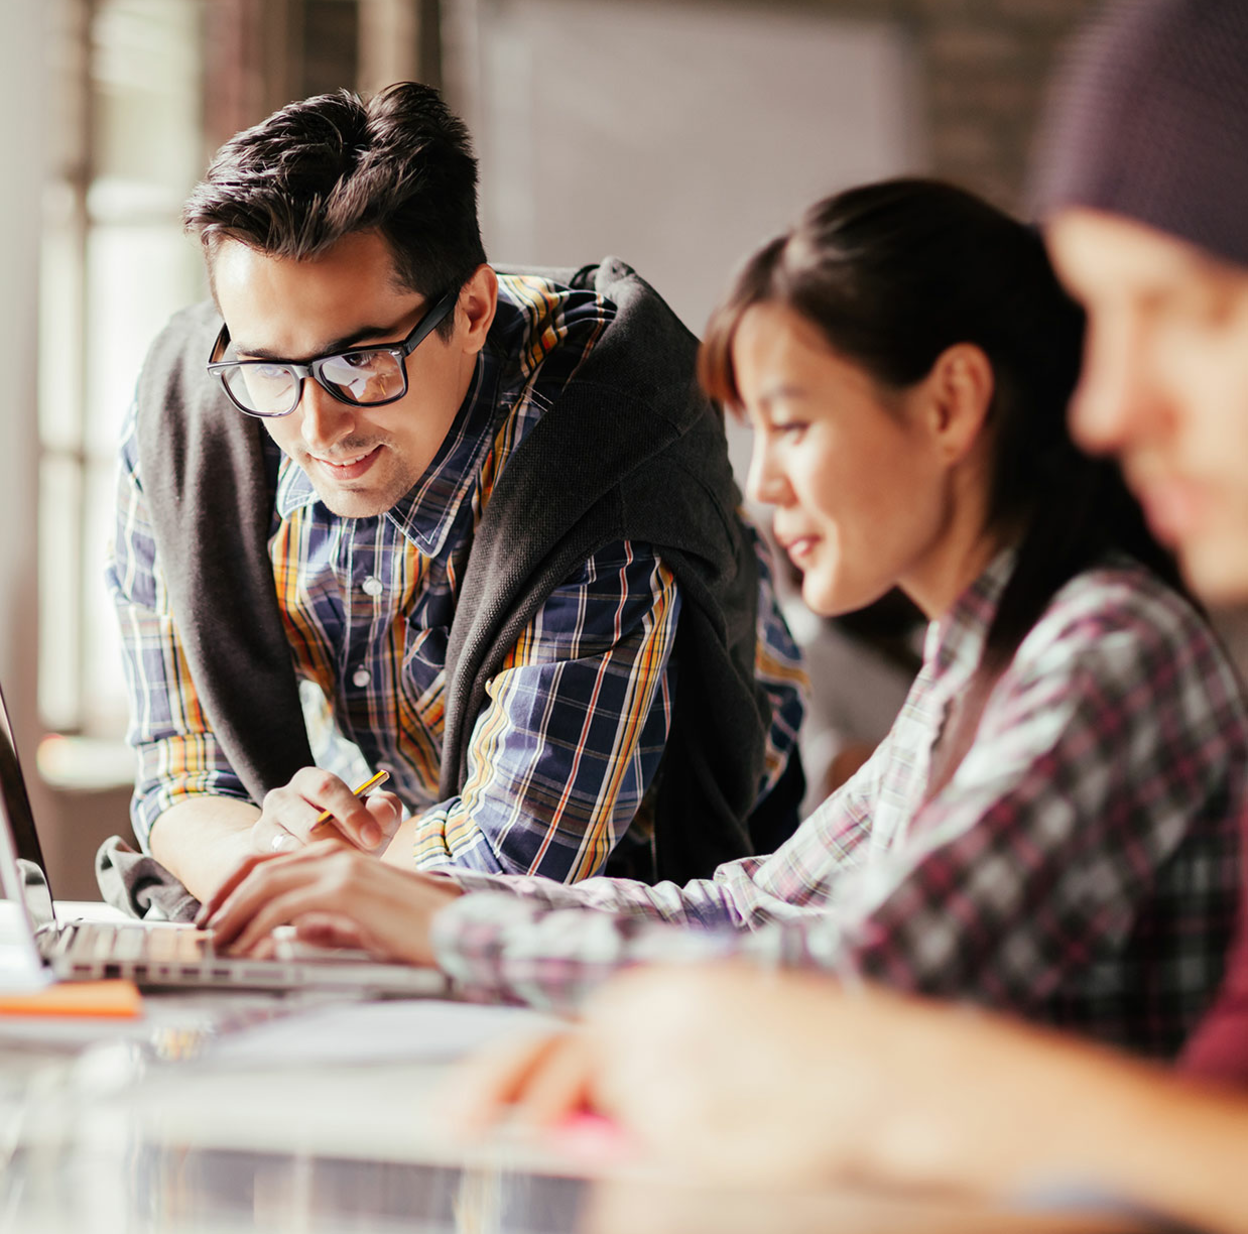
<point>95,941</point>
<point>166,954</point>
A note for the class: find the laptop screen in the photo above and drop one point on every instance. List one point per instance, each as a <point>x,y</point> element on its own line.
<point>23,838</point>
<point>21,965</point>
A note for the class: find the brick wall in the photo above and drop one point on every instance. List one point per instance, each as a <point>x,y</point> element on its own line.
<point>984,68</point>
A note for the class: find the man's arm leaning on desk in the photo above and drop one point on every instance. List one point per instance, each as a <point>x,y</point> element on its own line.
<point>572,731</point>
<point>203,840</point>
<point>569,741</point>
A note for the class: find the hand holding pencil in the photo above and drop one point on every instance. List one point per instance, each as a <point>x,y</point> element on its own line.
<point>317,805</point>
<point>324,828</point>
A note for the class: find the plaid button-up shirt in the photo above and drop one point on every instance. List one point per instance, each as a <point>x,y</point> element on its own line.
<point>561,757</point>
<point>1079,868</point>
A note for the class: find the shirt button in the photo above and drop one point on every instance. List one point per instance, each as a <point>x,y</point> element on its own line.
<point>361,677</point>
<point>372,586</point>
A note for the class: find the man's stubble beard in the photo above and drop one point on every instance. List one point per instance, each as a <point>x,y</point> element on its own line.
<point>371,502</point>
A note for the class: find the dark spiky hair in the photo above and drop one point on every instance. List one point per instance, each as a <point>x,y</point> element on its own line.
<point>399,163</point>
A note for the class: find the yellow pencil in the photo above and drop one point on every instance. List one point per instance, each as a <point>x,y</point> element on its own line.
<point>321,828</point>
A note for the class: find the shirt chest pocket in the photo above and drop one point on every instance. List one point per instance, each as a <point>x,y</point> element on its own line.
<point>424,674</point>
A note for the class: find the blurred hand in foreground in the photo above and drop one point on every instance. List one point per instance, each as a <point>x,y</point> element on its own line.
<point>739,1076</point>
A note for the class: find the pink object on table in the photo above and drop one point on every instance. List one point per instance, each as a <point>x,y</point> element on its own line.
<point>591,1137</point>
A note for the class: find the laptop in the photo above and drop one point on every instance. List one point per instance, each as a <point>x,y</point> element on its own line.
<point>36,948</point>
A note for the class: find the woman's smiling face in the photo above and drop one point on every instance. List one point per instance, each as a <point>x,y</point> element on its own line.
<point>858,482</point>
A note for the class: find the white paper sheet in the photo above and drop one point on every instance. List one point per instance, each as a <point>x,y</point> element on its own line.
<point>398,1030</point>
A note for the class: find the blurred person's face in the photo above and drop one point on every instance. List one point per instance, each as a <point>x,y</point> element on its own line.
<point>860,486</point>
<point>361,460</point>
<point>1165,384</point>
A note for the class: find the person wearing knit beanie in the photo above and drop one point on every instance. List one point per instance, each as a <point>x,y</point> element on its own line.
<point>1141,186</point>
<point>1148,120</point>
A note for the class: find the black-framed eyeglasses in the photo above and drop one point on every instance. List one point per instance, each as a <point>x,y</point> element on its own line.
<point>361,376</point>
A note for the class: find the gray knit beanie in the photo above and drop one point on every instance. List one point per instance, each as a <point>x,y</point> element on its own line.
<point>1149,119</point>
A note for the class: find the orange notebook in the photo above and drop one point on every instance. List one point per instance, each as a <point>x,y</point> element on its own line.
<point>106,999</point>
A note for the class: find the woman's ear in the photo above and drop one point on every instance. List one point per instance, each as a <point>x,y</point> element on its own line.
<point>960,387</point>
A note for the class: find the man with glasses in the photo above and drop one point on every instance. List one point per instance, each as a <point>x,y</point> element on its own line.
<point>475,530</point>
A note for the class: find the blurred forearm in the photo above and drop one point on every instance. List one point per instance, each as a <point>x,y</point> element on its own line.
<point>203,840</point>
<point>1168,1144</point>
<point>905,1091</point>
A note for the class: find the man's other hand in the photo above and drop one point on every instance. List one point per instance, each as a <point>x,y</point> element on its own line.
<point>289,814</point>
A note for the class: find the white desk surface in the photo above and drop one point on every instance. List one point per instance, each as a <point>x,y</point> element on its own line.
<point>99,1135</point>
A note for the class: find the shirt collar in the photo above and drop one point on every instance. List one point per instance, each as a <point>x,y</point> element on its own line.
<point>955,643</point>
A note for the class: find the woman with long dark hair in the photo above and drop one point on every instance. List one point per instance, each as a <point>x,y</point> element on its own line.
<point>1050,825</point>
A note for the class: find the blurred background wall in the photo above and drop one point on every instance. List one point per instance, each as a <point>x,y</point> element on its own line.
<point>676,135</point>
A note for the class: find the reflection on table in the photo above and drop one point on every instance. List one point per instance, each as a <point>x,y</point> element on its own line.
<point>110,1137</point>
